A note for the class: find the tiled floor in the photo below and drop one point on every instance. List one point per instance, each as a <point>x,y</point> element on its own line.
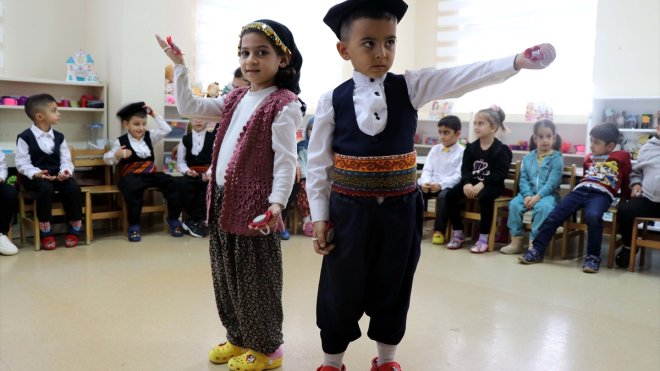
<point>116,305</point>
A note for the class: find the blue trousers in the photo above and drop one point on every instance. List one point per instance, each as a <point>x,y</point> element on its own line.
<point>540,212</point>
<point>594,202</point>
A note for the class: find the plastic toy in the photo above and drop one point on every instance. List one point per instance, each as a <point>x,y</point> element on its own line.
<point>261,221</point>
<point>172,45</point>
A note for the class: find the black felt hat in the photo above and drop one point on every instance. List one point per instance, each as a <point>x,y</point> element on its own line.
<point>339,12</point>
<point>132,109</point>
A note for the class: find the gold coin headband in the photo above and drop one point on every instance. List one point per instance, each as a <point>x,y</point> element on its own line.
<point>269,32</point>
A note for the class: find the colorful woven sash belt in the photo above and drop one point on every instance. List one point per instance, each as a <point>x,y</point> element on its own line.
<point>139,167</point>
<point>378,176</point>
<point>200,169</point>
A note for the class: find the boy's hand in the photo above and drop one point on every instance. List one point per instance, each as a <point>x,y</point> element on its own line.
<point>435,187</point>
<point>192,173</point>
<point>174,57</point>
<point>318,238</point>
<point>122,153</point>
<point>535,58</point>
<point>426,187</point>
<point>207,175</point>
<point>43,174</point>
<point>174,152</point>
<point>636,191</point>
<point>64,175</point>
<point>150,111</point>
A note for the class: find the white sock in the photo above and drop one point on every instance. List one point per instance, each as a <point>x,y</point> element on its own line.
<point>386,353</point>
<point>333,360</point>
<point>307,219</point>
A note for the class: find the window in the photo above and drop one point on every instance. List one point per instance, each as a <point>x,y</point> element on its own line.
<point>474,30</point>
<point>219,23</point>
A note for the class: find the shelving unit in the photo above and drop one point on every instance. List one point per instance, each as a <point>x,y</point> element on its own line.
<point>171,115</point>
<point>73,122</point>
<point>630,137</point>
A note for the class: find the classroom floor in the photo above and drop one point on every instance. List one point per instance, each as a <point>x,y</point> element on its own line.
<point>117,305</point>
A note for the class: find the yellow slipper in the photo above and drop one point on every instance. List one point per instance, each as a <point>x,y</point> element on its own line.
<point>221,353</point>
<point>438,238</point>
<point>253,361</point>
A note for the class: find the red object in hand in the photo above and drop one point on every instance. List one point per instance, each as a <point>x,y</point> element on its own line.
<point>534,53</point>
<point>175,48</point>
<point>261,220</point>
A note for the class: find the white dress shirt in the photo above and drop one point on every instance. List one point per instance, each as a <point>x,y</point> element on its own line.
<point>443,166</point>
<point>198,139</point>
<point>46,142</point>
<point>139,145</point>
<point>283,130</point>
<point>3,167</point>
<point>423,85</point>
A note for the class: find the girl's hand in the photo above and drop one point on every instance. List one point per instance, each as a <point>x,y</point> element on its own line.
<point>636,191</point>
<point>467,190</point>
<point>533,201</point>
<point>318,238</point>
<point>526,201</point>
<point>175,58</point>
<point>276,216</point>
<point>476,189</point>
<point>535,58</point>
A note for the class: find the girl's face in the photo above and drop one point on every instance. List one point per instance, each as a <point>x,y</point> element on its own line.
<point>544,138</point>
<point>482,127</point>
<point>259,61</point>
<point>136,126</point>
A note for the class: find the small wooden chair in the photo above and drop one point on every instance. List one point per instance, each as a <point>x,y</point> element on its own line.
<point>574,226</point>
<point>153,205</point>
<point>472,214</point>
<point>646,240</point>
<point>87,161</point>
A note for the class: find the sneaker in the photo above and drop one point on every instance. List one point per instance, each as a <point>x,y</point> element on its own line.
<point>48,242</point>
<point>222,352</point>
<point>6,246</point>
<point>253,361</point>
<point>531,256</point>
<point>622,259</point>
<point>479,247</point>
<point>455,244</point>
<point>438,238</point>
<point>176,229</point>
<point>71,240</point>
<point>195,229</point>
<point>134,234</point>
<point>389,366</point>
<point>308,229</point>
<point>285,234</point>
<point>591,264</point>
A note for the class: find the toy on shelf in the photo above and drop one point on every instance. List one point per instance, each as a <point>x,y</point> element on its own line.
<point>79,68</point>
<point>169,84</point>
<point>536,111</point>
<point>646,120</point>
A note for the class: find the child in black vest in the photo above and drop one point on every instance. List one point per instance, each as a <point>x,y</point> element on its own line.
<point>43,161</point>
<point>134,151</point>
<point>193,161</point>
<point>9,202</point>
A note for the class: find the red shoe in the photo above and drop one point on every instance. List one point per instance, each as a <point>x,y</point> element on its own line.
<point>48,243</point>
<point>330,368</point>
<point>71,240</point>
<point>389,366</point>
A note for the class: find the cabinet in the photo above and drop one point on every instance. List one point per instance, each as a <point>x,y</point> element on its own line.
<point>74,122</point>
<point>628,113</point>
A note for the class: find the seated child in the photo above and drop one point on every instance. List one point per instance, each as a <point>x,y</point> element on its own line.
<point>9,202</point>
<point>193,161</point>
<point>644,194</point>
<point>43,161</point>
<point>442,171</point>
<point>299,191</point>
<point>605,172</point>
<point>485,167</point>
<point>134,153</point>
<point>540,178</point>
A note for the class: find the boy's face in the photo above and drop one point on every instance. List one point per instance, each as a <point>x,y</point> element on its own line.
<point>136,126</point>
<point>48,115</point>
<point>371,46</point>
<point>199,125</point>
<point>448,136</point>
<point>599,147</point>
<point>238,82</point>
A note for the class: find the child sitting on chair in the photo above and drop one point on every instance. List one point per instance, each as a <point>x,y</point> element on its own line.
<point>43,161</point>
<point>442,171</point>
<point>134,152</point>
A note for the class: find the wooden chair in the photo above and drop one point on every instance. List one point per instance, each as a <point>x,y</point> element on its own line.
<point>27,211</point>
<point>154,203</point>
<point>574,226</point>
<point>647,240</point>
<point>472,213</point>
<point>95,187</point>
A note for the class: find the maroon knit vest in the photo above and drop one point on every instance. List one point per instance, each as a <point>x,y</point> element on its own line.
<point>249,175</point>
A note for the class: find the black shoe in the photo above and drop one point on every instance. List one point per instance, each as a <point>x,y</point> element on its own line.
<point>196,229</point>
<point>622,259</point>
